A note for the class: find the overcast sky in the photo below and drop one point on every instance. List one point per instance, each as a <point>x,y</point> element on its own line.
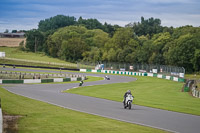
<point>25,14</point>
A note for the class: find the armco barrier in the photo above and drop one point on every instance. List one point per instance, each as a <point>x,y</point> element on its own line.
<point>2,81</point>
<point>137,74</point>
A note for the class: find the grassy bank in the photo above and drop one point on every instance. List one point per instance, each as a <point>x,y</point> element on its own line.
<point>40,117</point>
<point>148,91</point>
<point>18,57</point>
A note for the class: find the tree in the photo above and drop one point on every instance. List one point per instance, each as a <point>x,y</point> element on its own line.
<point>159,41</point>
<point>56,22</point>
<point>68,43</point>
<point>122,45</point>
<point>14,31</point>
<point>34,40</point>
<point>182,51</point>
<point>6,31</point>
<point>90,23</point>
<point>150,26</point>
<point>196,60</point>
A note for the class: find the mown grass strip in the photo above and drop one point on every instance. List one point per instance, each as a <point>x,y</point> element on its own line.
<point>40,117</point>
<point>148,91</point>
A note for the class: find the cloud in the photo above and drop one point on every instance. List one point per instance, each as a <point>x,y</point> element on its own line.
<point>27,13</point>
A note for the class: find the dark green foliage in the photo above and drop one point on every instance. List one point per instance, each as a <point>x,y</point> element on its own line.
<point>150,27</point>
<point>34,40</point>
<point>90,23</point>
<point>22,46</point>
<point>14,31</point>
<point>184,47</point>
<point>56,22</point>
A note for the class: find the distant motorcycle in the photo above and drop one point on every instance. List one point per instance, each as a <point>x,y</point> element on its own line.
<point>107,78</point>
<point>128,101</point>
<point>81,83</point>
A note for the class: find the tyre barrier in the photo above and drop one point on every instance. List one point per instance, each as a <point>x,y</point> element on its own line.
<point>178,79</point>
<point>24,81</point>
<point>195,93</point>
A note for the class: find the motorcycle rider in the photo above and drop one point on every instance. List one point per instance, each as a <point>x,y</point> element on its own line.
<point>81,83</point>
<point>126,94</point>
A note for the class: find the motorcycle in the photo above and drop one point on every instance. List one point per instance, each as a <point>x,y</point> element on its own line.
<point>81,83</point>
<point>128,101</point>
<point>107,78</point>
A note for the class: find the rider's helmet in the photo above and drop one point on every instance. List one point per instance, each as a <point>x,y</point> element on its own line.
<point>129,91</point>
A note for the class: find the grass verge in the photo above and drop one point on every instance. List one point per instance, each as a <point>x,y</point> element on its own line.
<point>148,91</point>
<point>40,117</point>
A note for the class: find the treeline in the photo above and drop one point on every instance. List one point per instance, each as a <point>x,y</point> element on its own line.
<point>145,42</point>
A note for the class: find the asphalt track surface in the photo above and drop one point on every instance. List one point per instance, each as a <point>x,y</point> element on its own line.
<point>156,118</point>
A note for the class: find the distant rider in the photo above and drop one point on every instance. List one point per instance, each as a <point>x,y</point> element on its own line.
<point>81,83</point>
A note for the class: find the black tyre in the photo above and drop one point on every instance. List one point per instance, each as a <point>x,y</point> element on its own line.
<point>129,105</point>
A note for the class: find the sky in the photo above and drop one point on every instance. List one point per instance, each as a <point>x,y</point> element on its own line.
<point>26,14</point>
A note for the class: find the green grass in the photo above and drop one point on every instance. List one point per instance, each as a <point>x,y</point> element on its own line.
<point>18,54</point>
<point>33,58</point>
<point>18,57</point>
<point>40,117</point>
<point>192,76</point>
<point>148,91</point>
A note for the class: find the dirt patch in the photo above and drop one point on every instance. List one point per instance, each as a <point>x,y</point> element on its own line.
<point>11,42</point>
<point>10,123</point>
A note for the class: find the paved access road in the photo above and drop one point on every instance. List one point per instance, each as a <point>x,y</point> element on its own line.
<point>161,119</point>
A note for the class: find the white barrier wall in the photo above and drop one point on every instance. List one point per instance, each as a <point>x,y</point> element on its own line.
<point>58,79</point>
<point>73,79</point>
<point>32,80</point>
<point>159,76</point>
<point>175,79</point>
<point>168,77</point>
<point>0,81</point>
<point>94,71</point>
<point>150,74</point>
<point>83,70</point>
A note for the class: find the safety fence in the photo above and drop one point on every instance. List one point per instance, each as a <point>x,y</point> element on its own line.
<point>178,79</point>
<point>149,68</point>
<point>24,81</point>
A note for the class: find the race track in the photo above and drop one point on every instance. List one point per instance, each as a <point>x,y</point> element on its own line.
<point>161,119</point>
